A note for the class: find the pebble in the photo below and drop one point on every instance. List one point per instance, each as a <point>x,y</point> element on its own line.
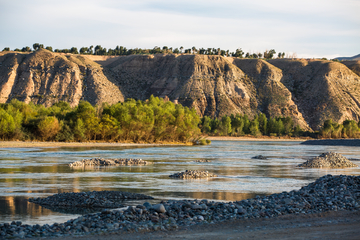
<point>328,160</point>
<point>193,174</point>
<point>94,162</point>
<point>341,191</point>
<point>159,208</point>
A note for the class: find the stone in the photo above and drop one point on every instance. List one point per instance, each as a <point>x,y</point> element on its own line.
<point>159,208</point>
<point>147,205</point>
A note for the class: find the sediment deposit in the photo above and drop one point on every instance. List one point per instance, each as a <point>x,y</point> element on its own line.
<point>328,160</point>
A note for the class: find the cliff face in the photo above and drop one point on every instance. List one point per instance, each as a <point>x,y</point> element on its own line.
<point>43,77</point>
<point>322,89</point>
<point>273,97</point>
<point>308,91</point>
<point>210,84</point>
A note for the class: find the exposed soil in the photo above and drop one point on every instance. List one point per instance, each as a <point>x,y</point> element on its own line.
<point>330,225</point>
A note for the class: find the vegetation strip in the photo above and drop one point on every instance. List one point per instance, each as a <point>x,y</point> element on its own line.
<point>151,121</point>
<point>328,193</point>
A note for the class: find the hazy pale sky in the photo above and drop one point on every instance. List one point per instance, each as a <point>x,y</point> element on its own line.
<point>309,28</point>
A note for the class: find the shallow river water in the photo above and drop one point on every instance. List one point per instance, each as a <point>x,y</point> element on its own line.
<point>40,172</point>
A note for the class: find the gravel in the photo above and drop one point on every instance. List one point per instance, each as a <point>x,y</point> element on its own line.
<point>328,193</point>
<point>328,160</point>
<point>108,162</point>
<point>95,199</point>
<point>188,174</point>
<point>202,160</point>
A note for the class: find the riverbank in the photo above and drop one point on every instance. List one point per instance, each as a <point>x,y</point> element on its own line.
<point>261,138</point>
<point>326,194</point>
<point>329,225</point>
<point>27,144</point>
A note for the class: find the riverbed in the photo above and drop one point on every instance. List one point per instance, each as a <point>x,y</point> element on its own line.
<point>43,171</point>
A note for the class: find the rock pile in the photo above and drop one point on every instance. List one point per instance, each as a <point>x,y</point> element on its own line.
<point>328,160</point>
<point>202,160</point>
<point>193,174</point>
<point>108,162</point>
<point>260,157</point>
<point>95,199</point>
<point>328,193</point>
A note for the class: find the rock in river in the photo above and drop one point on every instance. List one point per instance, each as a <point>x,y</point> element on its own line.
<point>108,162</point>
<point>328,160</point>
<point>95,199</point>
<point>193,174</point>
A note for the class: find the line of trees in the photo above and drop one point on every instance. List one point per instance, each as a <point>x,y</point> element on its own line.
<point>151,121</point>
<point>239,125</point>
<point>348,129</point>
<point>121,51</point>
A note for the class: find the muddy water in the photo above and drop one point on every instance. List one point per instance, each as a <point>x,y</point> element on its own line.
<point>40,172</point>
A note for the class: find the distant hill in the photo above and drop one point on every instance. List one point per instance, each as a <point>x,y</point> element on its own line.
<point>357,57</point>
<point>308,91</point>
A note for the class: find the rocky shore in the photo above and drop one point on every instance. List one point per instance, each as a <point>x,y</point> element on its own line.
<point>189,174</point>
<point>95,199</point>
<point>328,160</point>
<point>108,162</point>
<point>328,193</point>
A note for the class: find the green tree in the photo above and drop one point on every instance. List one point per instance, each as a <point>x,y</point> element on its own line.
<point>84,50</point>
<point>237,123</point>
<point>350,129</point>
<point>206,124</point>
<point>74,50</point>
<point>254,127</point>
<point>6,49</point>
<point>79,130</point>
<point>7,125</point>
<point>226,125</point>
<point>262,123</point>
<point>36,46</point>
<point>327,128</point>
<point>48,128</point>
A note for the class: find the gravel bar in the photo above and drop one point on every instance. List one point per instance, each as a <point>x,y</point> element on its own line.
<point>328,193</point>
<point>95,199</point>
<point>328,160</point>
<point>192,174</point>
<point>108,162</point>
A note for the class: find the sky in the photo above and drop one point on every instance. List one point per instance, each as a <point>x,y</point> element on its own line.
<point>307,28</point>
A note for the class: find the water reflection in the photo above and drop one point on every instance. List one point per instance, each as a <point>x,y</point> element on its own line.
<point>40,172</point>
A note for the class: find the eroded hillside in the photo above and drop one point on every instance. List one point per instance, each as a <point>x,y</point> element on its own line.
<point>44,77</point>
<point>308,91</point>
<point>322,89</point>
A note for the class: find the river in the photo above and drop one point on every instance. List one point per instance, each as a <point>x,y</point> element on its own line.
<point>40,172</point>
